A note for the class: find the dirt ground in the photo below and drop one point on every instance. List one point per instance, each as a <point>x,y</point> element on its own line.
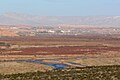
<point>76,51</point>
<point>21,67</point>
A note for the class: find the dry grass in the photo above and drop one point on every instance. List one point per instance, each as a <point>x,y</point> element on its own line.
<point>22,67</point>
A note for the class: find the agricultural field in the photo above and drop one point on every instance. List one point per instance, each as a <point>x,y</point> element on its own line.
<point>48,52</point>
<point>21,67</point>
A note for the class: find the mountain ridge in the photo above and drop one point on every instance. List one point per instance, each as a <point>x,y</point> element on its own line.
<point>22,19</point>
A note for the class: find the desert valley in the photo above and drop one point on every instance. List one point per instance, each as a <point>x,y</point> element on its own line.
<point>46,51</point>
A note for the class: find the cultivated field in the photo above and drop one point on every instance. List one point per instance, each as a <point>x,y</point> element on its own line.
<point>44,50</point>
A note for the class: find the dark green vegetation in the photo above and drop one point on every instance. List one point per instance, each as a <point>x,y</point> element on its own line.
<point>86,73</point>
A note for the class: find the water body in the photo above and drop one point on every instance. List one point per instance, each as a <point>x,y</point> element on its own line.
<point>58,66</point>
<point>55,66</point>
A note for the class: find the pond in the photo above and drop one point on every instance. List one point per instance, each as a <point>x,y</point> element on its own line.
<point>58,66</point>
<point>55,66</point>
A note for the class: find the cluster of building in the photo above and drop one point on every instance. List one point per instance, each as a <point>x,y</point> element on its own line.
<point>57,30</point>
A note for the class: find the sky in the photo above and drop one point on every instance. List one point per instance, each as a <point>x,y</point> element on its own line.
<point>61,7</point>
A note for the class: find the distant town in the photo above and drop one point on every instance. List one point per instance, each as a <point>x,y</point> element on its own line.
<point>23,30</point>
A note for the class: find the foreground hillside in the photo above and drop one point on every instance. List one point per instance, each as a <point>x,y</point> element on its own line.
<point>85,73</point>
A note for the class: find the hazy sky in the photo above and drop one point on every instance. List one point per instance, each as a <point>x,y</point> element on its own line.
<point>61,7</point>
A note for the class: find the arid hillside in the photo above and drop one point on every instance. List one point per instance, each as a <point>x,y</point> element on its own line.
<point>17,19</point>
<point>7,32</point>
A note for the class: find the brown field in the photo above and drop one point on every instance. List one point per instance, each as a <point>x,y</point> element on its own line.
<point>81,50</point>
<point>61,45</point>
<point>21,67</point>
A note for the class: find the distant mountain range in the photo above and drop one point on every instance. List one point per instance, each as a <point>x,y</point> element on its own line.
<point>22,19</point>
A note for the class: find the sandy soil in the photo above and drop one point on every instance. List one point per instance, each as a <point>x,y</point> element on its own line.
<point>21,67</point>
